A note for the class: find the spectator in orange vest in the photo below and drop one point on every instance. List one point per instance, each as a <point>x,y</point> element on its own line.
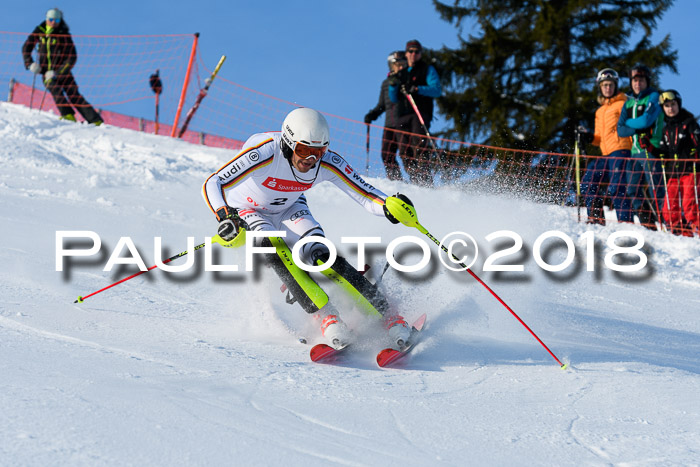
<point>609,169</point>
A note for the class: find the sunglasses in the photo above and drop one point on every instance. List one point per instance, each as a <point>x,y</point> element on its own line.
<point>54,20</point>
<point>305,152</point>
<point>667,96</point>
<point>413,51</point>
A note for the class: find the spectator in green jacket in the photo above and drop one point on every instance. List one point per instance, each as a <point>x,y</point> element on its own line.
<point>641,116</point>
<point>57,56</point>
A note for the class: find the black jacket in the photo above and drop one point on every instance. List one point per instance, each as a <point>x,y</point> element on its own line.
<point>56,49</point>
<point>417,76</point>
<point>679,142</point>
<point>385,105</point>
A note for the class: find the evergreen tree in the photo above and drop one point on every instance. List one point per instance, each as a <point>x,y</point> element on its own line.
<point>524,77</point>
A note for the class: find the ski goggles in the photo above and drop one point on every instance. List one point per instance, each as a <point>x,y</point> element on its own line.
<point>607,74</point>
<point>55,20</point>
<point>668,96</point>
<point>305,152</point>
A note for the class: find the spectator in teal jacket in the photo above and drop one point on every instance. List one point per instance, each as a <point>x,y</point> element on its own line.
<point>641,116</point>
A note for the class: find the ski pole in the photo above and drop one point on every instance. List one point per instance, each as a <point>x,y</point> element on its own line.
<point>668,201</point>
<point>157,126</point>
<point>425,128</point>
<point>653,189</point>
<point>31,96</point>
<point>406,214</point>
<point>202,94</point>
<point>680,196</point>
<point>41,106</point>
<point>422,122</point>
<point>577,153</point>
<point>367,163</point>
<point>237,241</point>
<point>695,186</point>
<point>651,206</point>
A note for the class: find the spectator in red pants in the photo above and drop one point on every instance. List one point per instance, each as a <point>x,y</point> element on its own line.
<point>678,148</point>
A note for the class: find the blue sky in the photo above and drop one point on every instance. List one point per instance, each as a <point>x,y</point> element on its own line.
<point>323,54</point>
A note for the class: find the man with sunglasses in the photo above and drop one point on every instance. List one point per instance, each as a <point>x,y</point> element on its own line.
<point>57,56</point>
<point>262,189</point>
<point>422,83</point>
<point>679,148</point>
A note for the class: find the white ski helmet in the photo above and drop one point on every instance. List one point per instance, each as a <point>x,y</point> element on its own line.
<point>607,74</point>
<point>54,14</point>
<point>306,126</point>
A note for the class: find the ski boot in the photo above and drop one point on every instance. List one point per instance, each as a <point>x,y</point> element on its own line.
<point>334,330</point>
<point>398,329</point>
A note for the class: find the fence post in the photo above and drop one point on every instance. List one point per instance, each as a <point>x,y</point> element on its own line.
<point>185,84</point>
<point>12,90</point>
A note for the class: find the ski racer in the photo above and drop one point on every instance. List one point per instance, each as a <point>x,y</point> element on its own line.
<point>262,189</point>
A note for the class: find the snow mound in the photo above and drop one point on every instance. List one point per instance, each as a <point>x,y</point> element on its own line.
<point>205,368</point>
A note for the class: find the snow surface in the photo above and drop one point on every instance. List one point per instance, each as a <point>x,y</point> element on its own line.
<point>202,368</point>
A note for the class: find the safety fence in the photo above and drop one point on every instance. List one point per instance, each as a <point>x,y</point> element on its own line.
<point>22,94</point>
<point>113,74</point>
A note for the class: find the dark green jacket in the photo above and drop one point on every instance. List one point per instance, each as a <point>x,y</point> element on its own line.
<point>56,48</point>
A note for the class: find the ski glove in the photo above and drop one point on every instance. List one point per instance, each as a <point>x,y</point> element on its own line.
<point>368,118</point>
<point>394,80</point>
<point>645,143</point>
<point>398,78</point>
<point>409,89</point>
<point>388,215</point>
<point>229,223</point>
<point>48,76</point>
<point>35,68</point>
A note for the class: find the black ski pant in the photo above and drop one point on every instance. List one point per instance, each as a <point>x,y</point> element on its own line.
<point>65,94</point>
<point>414,150</point>
<point>390,144</point>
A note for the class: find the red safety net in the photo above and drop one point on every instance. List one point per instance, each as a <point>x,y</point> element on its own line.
<point>112,73</point>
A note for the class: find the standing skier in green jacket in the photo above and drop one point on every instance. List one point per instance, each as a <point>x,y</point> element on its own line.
<point>57,56</point>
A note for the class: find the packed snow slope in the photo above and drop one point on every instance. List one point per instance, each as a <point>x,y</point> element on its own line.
<point>204,368</point>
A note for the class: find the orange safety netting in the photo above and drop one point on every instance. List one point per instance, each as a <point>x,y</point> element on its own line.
<point>112,73</point>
